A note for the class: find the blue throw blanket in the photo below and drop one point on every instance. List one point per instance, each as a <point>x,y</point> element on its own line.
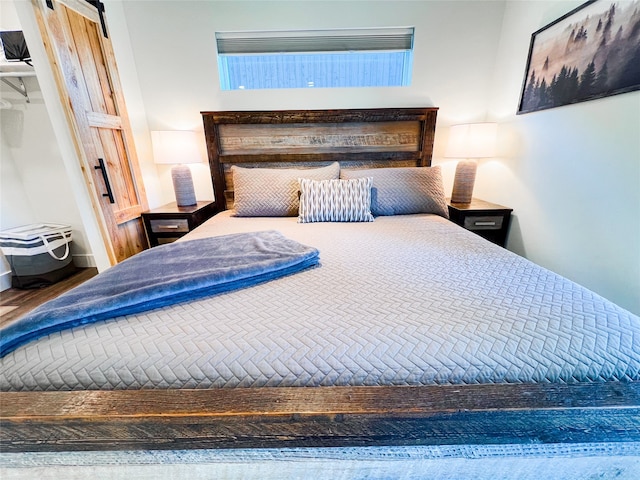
<point>163,276</point>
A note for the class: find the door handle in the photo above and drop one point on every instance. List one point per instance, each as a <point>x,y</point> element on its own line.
<point>103,168</point>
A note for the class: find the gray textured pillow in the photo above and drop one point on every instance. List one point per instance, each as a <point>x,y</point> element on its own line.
<point>273,192</point>
<point>335,200</point>
<point>403,191</point>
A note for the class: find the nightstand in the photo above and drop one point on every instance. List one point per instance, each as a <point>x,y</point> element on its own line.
<point>486,219</point>
<point>168,223</point>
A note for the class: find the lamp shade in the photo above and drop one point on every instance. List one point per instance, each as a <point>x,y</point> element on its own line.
<point>175,146</point>
<point>178,147</point>
<point>470,141</point>
<point>473,140</point>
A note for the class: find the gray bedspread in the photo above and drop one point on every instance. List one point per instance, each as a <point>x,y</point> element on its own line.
<point>404,300</point>
<point>162,276</point>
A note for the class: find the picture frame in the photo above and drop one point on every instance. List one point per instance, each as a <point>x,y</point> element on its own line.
<point>591,52</point>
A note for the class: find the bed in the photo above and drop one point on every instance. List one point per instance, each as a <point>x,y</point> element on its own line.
<point>410,331</point>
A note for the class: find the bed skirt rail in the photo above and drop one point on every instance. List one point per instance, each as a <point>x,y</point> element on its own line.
<point>320,417</point>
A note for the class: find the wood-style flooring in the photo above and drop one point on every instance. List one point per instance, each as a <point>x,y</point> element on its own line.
<point>15,302</point>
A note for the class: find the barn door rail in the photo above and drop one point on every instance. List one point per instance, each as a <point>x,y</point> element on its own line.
<point>100,6</point>
<point>96,3</point>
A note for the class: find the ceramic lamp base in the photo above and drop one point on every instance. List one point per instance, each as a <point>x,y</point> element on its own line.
<point>183,185</point>
<point>463,182</point>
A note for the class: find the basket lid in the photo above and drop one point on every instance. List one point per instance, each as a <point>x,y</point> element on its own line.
<point>34,230</point>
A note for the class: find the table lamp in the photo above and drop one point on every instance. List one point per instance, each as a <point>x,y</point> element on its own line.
<point>469,141</point>
<point>178,148</point>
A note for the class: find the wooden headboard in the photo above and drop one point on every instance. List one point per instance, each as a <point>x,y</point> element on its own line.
<point>306,138</point>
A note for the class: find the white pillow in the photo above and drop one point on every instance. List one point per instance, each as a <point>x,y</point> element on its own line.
<point>335,200</point>
<point>273,192</point>
<point>404,190</point>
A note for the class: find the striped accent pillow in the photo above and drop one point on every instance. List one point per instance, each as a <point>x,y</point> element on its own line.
<point>335,200</point>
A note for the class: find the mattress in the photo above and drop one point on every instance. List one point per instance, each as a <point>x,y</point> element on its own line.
<point>403,300</point>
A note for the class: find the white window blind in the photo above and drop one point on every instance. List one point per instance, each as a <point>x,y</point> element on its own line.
<point>315,58</point>
<point>234,43</point>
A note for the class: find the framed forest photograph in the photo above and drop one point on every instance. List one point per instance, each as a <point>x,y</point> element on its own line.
<point>591,52</point>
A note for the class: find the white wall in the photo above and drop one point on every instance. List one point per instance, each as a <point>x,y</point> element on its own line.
<point>15,207</point>
<point>173,44</point>
<point>571,173</point>
<point>36,188</point>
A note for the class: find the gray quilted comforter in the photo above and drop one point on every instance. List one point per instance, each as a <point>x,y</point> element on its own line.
<point>404,300</point>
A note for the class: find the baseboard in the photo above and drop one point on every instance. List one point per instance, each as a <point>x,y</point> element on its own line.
<point>84,261</point>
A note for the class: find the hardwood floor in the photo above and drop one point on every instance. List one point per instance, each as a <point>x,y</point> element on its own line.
<point>15,302</point>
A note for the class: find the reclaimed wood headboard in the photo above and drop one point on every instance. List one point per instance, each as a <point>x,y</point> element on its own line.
<point>307,138</point>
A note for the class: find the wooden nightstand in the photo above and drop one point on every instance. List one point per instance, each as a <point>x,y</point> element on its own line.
<point>488,220</point>
<point>168,223</point>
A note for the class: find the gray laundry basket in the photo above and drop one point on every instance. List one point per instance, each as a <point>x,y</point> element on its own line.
<point>38,254</point>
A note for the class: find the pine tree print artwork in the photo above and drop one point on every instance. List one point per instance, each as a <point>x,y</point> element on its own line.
<point>592,52</point>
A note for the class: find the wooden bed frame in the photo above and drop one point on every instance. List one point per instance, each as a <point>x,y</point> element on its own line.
<point>294,138</point>
<point>319,416</point>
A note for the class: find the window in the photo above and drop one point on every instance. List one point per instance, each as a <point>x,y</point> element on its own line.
<point>315,59</point>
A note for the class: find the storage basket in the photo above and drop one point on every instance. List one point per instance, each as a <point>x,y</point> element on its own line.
<point>38,254</point>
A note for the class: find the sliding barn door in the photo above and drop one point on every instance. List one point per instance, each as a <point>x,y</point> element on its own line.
<point>84,65</point>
